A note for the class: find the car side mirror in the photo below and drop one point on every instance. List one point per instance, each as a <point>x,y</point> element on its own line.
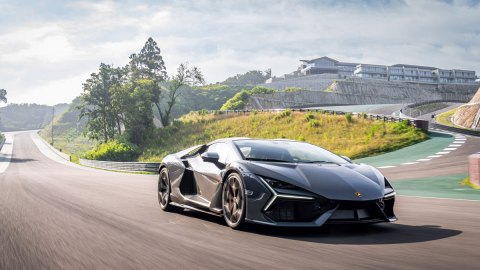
<point>210,157</point>
<point>346,158</point>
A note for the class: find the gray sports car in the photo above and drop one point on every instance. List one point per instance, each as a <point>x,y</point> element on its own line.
<point>274,182</point>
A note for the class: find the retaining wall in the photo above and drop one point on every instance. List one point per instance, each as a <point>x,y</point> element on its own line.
<point>355,91</point>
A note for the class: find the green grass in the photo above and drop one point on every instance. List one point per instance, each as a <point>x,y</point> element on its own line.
<point>468,183</point>
<point>344,135</point>
<point>444,118</point>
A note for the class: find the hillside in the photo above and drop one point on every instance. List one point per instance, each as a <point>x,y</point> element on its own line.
<point>67,131</point>
<point>27,116</point>
<point>468,115</point>
<point>341,134</point>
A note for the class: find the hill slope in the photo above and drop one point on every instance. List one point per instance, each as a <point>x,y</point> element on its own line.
<point>353,137</point>
<point>27,116</point>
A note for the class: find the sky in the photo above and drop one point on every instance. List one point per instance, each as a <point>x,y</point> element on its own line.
<point>49,48</point>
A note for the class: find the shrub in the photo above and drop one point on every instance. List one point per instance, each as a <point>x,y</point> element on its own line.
<point>113,151</point>
<point>313,123</point>
<point>239,100</point>
<point>401,127</point>
<point>283,114</point>
<point>293,89</point>
<point>309,116</point>
<point>348,116</point>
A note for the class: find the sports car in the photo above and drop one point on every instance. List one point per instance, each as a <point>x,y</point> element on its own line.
<point>274,182</point>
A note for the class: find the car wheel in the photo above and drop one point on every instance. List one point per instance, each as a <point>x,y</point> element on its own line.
<point>233,201</point>
<point>164,190</point>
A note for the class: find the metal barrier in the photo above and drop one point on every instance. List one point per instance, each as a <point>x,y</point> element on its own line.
<point>122,166</point>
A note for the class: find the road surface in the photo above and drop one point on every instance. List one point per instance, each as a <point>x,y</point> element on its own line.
<point>54,216</point>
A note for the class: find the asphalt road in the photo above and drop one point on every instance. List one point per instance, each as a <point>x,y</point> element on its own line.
<point>54,216</point>
<point>452,163</point>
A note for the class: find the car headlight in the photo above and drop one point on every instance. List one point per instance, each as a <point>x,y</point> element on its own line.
<point>276,184</point>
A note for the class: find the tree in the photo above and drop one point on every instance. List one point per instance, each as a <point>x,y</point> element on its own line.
<point>3,95</point>
<point>104,119</point>
<point>148,64</point>
<point>185,77</point>
<point>138,98</point>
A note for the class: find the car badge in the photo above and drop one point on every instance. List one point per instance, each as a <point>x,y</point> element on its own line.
<point>358,194</point>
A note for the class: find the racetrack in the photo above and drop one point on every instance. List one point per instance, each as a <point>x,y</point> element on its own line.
<point>56,216</point>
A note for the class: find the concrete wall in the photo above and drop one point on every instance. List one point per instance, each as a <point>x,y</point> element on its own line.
<point>364,91</point>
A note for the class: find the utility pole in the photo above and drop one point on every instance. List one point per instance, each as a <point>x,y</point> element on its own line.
<point>53,116</point>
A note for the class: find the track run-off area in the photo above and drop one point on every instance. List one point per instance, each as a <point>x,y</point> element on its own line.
<point>58,215</point>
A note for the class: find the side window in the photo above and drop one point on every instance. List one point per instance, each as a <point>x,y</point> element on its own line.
<point>223,150</point>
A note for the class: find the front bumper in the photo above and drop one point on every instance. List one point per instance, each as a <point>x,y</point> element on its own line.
<point>309,210</point>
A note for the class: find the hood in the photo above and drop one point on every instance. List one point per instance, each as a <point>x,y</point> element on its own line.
<point>332,181</point>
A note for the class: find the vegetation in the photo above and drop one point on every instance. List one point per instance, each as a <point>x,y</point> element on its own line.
<point>444,118</point>
<point>117,102</point>
<point>27,116</point>
<point>358,138</point>
<point>113,151</point>
<point>251,78</point>
<point>419,110</point>
<point>3,95</point>
<point>68,132</point>
<point>293,89</point>
<point>240,100</point>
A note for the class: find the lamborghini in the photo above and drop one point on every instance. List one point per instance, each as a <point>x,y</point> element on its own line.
<point>274,182</point>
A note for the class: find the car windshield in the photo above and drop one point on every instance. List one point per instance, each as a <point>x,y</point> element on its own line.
<point>285,151</point>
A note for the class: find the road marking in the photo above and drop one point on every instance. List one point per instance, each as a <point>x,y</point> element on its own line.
<point>409,163</point>
<point>443,153</point>
<point>450,148</point>
<point>424,159</point>
<point>439,198</point>
<point>454,145</point>
<point>434,156</point>
<point>385,167</point>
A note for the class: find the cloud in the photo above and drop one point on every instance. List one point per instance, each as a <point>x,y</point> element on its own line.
<point>45,53</point>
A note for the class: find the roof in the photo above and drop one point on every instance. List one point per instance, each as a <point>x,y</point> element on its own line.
<point>320,58</point>
<point>414,66</point>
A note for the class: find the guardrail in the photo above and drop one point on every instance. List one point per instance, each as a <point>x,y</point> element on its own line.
<point>122,166</point>
<point>457,130</point>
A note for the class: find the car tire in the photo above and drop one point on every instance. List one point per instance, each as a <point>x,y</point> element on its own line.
<point>164,189</point>
<point>234,201</point>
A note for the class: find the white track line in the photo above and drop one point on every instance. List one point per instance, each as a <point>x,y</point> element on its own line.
<point>409,163</point>
<point>434,156</point>
<point>450,148</point>
<point>385,167</point>
<point>424,159</point>
<point>454,145</point>
<point>443,153</point>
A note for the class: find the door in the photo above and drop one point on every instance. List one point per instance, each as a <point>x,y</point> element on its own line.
<point>207,174</point>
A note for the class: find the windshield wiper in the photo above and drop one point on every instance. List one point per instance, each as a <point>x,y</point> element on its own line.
<point>267,159</point>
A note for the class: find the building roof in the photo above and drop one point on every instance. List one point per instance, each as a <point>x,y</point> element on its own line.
<point>323,57</point>
<point>414,66</point>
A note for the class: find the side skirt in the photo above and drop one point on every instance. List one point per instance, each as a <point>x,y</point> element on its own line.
<point>195,209</point>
